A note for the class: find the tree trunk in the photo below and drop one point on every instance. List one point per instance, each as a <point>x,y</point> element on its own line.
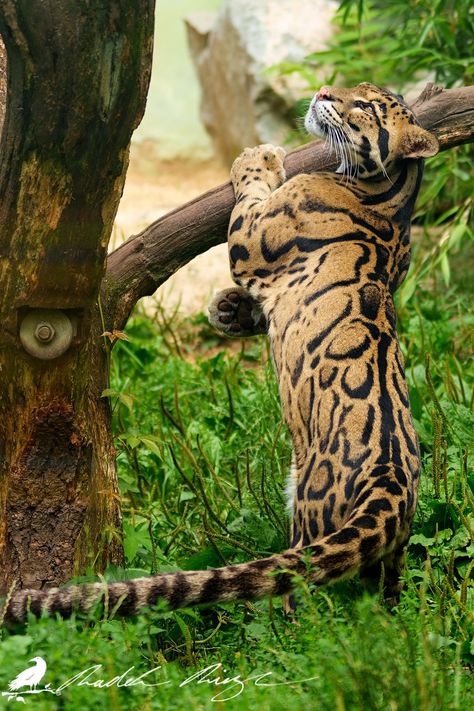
<point>78,73</point>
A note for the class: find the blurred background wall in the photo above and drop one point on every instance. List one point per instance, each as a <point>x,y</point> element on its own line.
<point>171,126</point>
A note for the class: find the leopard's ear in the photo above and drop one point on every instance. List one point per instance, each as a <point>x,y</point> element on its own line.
<point>418,143</point>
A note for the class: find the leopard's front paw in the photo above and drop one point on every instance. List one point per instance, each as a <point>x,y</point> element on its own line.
<point>273,158</point>
<point>234,312</point>
<point>264,162</point>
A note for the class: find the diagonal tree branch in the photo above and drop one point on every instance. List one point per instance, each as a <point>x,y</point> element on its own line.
<point>140,265</point>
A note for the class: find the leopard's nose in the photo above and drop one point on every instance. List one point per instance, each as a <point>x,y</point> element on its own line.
<point>324,94</point>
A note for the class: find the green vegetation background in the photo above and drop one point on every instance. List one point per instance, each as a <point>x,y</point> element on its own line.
<point>203,458</point>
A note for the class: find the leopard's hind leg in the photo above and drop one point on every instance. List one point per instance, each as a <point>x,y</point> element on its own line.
<point>255,174</point>
<point>234,312</point>
<point>385,576</point>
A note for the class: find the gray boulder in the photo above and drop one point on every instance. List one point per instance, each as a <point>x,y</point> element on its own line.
<point>243,104</point>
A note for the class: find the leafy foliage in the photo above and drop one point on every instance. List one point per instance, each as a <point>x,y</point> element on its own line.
<point>410,38</point>
<point>402,45</point>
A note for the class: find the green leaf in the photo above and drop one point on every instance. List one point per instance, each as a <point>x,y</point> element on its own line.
<point>134,538</point>
<point>150,443</point>
<point>430,542</point>
<point>445,269</point>
<point>207,558</point>
<point>124,398</point>
<point>421,540</point>
<point>186,496</point>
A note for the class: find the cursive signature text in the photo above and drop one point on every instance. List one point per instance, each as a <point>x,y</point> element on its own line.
<point>228,686</point>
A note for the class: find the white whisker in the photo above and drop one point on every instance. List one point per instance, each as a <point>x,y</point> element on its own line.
<point>385,172</point>
<point>346,157</point>
<point>349,133</point>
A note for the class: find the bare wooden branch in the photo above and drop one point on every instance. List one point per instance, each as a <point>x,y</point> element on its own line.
<point>138,267</point>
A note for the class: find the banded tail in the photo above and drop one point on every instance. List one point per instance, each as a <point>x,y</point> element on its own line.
<point>377,527</point>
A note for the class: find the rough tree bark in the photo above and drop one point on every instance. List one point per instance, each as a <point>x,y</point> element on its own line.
<point>77,80</point>
<point>78,73</point>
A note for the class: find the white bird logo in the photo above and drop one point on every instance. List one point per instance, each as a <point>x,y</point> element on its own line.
<point>30,677</point>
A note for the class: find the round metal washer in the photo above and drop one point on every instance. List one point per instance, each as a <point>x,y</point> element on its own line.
<point>60,326</point>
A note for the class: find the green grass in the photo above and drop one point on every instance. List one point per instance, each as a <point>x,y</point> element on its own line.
<point>202,465</point>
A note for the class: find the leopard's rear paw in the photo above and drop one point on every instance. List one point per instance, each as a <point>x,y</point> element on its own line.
<point>234,312</point>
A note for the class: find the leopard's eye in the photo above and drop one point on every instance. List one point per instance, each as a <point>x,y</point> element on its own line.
<point>368,108</point>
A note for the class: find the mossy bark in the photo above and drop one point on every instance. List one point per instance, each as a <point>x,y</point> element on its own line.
<point>78,73</point>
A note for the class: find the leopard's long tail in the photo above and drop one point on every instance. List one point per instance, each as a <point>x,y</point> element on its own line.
<point>377,525</point>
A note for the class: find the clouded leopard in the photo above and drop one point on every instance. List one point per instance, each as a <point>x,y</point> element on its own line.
<point>317,260</point>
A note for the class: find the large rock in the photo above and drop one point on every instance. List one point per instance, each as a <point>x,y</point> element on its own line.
<point>242,104</point>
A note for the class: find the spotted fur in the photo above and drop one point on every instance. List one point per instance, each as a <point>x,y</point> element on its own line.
<point>317,260</point>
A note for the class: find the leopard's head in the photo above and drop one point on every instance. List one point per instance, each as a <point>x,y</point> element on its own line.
<point>370,128</point>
